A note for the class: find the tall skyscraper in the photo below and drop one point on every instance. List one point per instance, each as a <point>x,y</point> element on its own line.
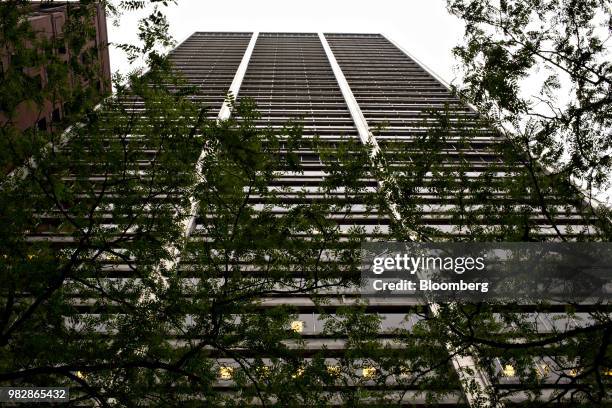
<point>347,89</point>
<point>358,88</point>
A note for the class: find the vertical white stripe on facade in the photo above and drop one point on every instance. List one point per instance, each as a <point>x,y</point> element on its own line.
<point>476,384</point>
<point>224,114</point>
<point>365,135</point>
<point>225,111</point>
<point>189,223</point>
<point>361,124</point>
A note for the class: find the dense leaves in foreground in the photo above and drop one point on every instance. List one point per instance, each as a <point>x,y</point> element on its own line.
<point>127,310</point>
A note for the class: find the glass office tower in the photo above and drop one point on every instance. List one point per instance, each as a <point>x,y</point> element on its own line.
<point>348,90</point>
<point>360,88</point>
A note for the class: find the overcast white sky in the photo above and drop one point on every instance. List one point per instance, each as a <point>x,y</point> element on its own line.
<point>422,27</point>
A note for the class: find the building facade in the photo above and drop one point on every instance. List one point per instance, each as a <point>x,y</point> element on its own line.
<point>345,90</point>
<point>361,88</point>
<point>47,21</point>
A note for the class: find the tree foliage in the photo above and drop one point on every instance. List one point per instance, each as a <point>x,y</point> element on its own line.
<point>538,73</point>
<point>541,69</point>
<point>126,309</point>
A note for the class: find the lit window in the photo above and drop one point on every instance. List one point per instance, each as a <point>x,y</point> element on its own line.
<point>263,371</point>
<point>226,372</point>
<point>297,326</point>
<point>573,372</point>
<point>80,375</point>
<point>608,372</point>
<point>509,371</point>
<point>298,373</point>
<point>111,257</point>
<point>368,372</point>
<point>333,370</point>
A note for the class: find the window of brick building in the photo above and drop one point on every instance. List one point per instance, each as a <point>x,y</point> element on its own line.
<point>42,124</point>
<point>56,116</point>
